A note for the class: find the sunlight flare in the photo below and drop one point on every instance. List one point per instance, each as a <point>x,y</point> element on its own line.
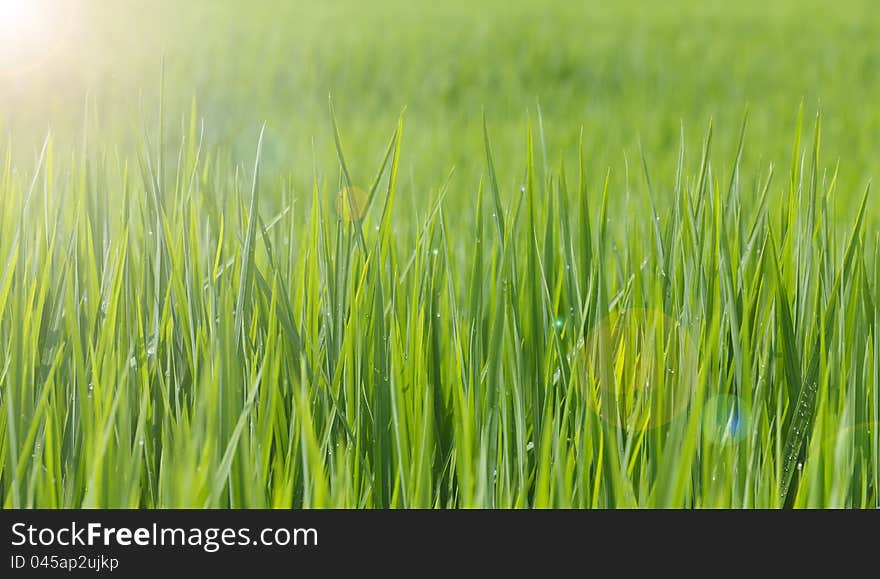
<point>29,31</point>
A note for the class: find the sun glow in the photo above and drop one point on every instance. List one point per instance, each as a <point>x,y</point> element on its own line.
<point>19,21</point>
<point>29,32</point>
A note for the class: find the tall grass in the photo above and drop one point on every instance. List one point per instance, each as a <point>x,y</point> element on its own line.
<point>178,332</point>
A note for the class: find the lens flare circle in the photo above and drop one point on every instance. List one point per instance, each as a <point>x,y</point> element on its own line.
<point>726,419</point>
<point>351,204</point>
<point>639,368</point>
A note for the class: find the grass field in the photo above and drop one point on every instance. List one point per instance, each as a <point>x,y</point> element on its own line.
<point>396,254</point>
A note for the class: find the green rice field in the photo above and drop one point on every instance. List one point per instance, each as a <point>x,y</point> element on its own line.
<point>389,254</point>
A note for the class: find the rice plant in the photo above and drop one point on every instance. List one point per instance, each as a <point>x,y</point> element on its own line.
<point>527,255</point>
<point>180,332</point>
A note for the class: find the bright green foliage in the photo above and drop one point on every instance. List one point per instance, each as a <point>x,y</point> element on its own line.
<point>166,343</point>
<point>523,317</point>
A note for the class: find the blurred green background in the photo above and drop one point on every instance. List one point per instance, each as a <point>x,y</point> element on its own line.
<point>625,71</point>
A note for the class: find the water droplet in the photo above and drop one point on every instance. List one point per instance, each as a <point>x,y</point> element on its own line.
<point>435,251</point>
<point>522,188</point>
<point>132,362</point>
<point>530,445</point>
<point>152,342</point>
<point>558,323</point>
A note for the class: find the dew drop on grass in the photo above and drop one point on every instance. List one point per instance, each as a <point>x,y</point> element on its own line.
<point>151,342</point>
<point>132,362</point>
<point>435,251</point>
<point>530,445</point>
